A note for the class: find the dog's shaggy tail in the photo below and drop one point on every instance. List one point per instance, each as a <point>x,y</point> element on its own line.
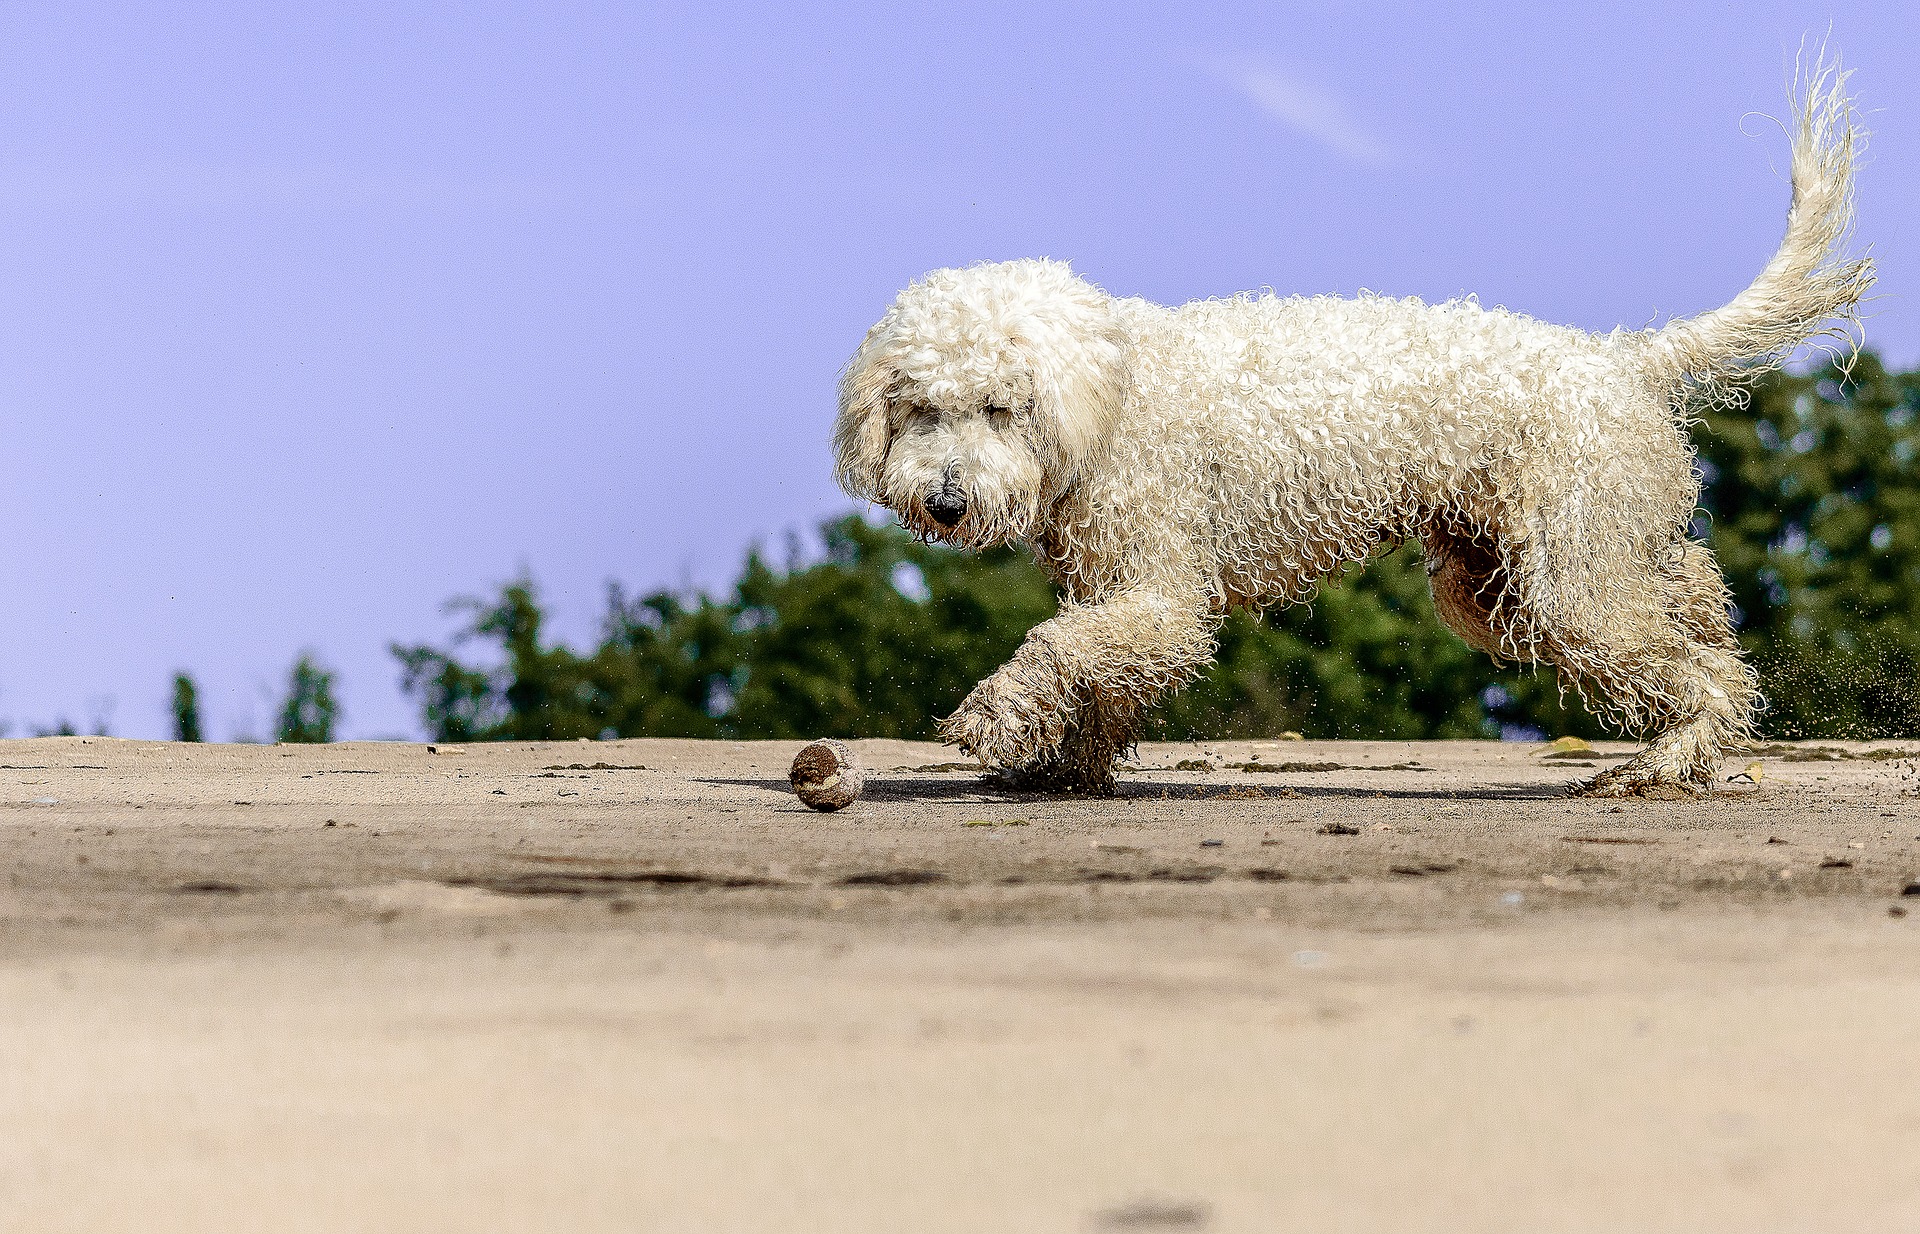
<point>1810,288</point>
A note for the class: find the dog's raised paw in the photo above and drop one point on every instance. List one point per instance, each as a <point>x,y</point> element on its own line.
<point>1002,725</point>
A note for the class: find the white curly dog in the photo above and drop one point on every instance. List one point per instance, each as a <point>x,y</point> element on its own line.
<point>1169,464</point>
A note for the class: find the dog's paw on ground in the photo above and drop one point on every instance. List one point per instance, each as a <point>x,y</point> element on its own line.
<point>1642,781</point>
<point>1643,789</point>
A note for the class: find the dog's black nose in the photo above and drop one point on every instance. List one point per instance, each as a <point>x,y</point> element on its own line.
<point>947,508</point>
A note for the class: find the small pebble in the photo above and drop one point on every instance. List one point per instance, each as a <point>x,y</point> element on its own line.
<point>1911,889</point>
<point>1211,843</point>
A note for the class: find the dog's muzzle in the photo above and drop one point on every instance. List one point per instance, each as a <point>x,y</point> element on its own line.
<point>947,507</point>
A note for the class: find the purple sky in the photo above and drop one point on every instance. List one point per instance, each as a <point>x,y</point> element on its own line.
<point>312,317</point>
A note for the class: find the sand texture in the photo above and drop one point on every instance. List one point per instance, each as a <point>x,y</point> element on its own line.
<point>638,986</point>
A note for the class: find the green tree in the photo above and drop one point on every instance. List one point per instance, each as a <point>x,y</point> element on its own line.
<point>309,712</point>
<point>879,637</point>
<point>874,639</point>
<point>658,668</point>
<point>1812,504</point>
<point>186,708</point>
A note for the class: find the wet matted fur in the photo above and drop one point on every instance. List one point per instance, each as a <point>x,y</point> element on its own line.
<point>1168,464</point>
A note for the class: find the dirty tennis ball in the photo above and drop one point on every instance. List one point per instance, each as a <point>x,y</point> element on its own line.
<point>826,776</point>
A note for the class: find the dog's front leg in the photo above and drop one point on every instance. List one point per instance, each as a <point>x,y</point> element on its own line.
<point>1124,652</point>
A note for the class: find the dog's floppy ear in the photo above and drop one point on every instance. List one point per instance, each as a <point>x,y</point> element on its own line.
<point>1081,384</point>
<point>865,427</point>
<point>1085,393</point>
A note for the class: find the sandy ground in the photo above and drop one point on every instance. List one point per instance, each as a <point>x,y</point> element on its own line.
<point>635,986</point>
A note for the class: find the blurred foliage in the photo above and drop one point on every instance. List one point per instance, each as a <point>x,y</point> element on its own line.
<point>1813,500</point>
<point>309,712</point>
<point>1811,504</point>
<point>1367,659</point>
<point>870,640</point>
<point>186,708</point>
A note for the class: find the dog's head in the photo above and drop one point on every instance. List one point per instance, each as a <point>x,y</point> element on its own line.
<point>975,401</point>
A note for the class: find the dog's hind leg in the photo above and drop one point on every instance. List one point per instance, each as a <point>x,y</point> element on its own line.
<point>1650,647</point>
<point>1696,693</point>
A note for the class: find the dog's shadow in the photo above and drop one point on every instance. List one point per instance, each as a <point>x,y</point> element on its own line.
<point>990,788</point>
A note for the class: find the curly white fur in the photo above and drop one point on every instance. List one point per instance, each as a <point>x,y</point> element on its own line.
<point>1167,464</point>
